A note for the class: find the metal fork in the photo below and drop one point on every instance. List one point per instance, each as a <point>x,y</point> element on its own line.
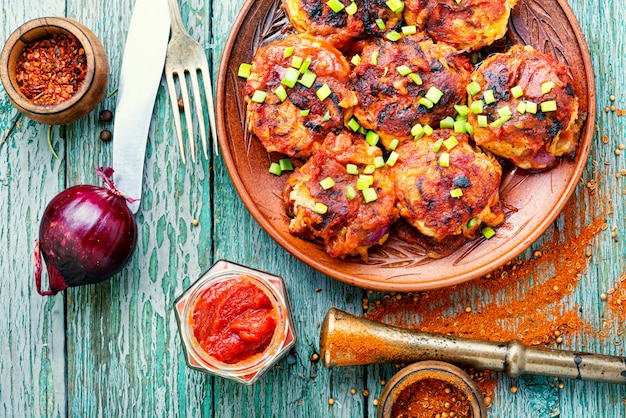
<point>184,57</point>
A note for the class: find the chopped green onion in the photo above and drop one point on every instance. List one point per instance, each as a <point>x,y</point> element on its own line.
<point>504,111</point>
<point>259,96</point>
<point>304,68</point>
<point>417,131</point>
<point>381,24</point>
<point>477,106</point>
<point>468,128</point>
<point>472,223</point>
<point>356,60</point>
<point>482,121</point>
<point>547,87</point>
<point>393,36</point>
<point>350,192</point>
<point>437,145</point>
<point>426,102</point>
<point>521,107</point>
<point>409,30</point>
<point>335,5</point>
<point>428,130</point>
<point>456,193</point>
<point>444,159</point>
<point>403,70</point>
<point>275,169</point>
<point>450,143</point>
<point>393,144</point>
<point>352,169</point>
<point>396,6</point>
<point>291,77</point>
<point>489,96</point>
<point>281,93</point>
<point>296,62</point>
<point>369,195</point>
<point>307,79</point>
<point>393,158</point>
<point>285,164</point>
<point>488,232</point>
<point>416,78</point>
<point>244,70</point>
<point>379,162</point>
<point>327,183</point>
<point>517,91</point>
<point>369,169</point>
<point>447,123</point>
<point>374,58</point>
<point>372,138</point>
<point>353,124</point>
<point>362,130</point>
<point>462,110</point>
<point>326,116</point>
<point>368,179</point>
<point>473,87</point>
<point>549,106</point>
<point>500,121</point>
<point>459,126</point>
<point>323,92</point>
<point>305,112</point>
<point>531,107</point>
<point>289,51</point>
<point>434,94</point>
<point>363,183</point>
<point>351,9</point>
<point>320,208</point>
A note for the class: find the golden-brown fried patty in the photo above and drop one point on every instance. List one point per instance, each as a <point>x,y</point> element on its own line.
<point>467,25</point>
<point>532,140</point>
<point>440,199</point>
<point>350,225</point>
<point>293,118</point>
<point>341,28</point>
<point>390,101</point>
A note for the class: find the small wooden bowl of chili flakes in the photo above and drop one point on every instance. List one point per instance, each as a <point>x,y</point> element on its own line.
<point>431,389</point>
<point>54,70</point>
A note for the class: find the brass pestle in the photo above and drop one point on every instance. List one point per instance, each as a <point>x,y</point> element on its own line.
<point>348,340</point>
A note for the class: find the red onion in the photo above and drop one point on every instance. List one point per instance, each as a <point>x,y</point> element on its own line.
<point>86,235</point>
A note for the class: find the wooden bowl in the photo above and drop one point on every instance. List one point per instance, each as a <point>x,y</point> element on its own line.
<point>421,373</point>
<point>533,200</point>
<point>91,91</point>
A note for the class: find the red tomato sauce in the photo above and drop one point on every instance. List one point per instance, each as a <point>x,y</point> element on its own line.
<point>234,320</point>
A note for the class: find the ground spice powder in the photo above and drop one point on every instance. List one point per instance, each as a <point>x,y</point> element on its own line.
<point>529,293</point>
<point>431,398</point>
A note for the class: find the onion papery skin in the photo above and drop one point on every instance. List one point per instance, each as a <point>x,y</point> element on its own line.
<point>86,235</point>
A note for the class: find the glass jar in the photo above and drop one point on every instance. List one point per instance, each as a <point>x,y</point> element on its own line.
<point>250,369</point>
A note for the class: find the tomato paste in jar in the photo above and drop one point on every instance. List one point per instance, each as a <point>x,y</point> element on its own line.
<point>233,320</point>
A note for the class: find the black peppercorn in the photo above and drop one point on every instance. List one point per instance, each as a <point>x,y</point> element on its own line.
<point>106,116</point>
<point>105,135</point>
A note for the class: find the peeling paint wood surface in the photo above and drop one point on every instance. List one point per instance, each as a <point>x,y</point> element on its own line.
<point>112,349</point>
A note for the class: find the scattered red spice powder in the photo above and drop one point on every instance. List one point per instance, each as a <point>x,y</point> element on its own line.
<point>51,70</point>
<point>431,398</point>
<point>527,298</point>
<point>617,299</point>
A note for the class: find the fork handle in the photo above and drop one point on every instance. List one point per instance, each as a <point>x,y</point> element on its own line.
<point>175,18</point>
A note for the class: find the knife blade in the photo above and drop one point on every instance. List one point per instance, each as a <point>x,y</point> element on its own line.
<point>140,76</point>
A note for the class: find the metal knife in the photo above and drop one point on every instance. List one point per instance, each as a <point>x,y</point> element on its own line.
<point>140,76</point>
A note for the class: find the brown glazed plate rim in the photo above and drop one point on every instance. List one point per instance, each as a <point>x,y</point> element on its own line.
<point>537,198</point>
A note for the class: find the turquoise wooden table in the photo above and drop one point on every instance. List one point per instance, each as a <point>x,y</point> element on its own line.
<point>112,349</point>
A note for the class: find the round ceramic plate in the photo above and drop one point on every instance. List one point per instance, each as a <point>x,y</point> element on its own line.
<point>533,200</point>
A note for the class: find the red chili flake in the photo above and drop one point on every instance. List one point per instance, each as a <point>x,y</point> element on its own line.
<point>51,70</point>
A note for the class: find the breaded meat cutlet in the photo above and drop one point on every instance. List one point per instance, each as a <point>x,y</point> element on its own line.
<point>532,117</point>
<point>325,200</point>
<point>410,81</point>
<point>467,25</point>
<point>297,92</point>
<point>445,186</point>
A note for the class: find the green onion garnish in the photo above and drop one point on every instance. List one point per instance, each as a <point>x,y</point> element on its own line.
<point>549,106</point>
<point>307,79</point>
<point>326,116</point>
<point>409,30</point>
<point>489,96</point>
<point>291,77</point>
<point>352,169</point>
<point>351,9</point>
<point>244,70</point>
<point>456,193</point>
<point>323,92</point>
<point>450,143</point>
<point>393,36</point>
<point>459,126</point>
<point>473,88</point>
<point>335,5</point>
<point>393,144</point>
<point>372,138</point>
<point>305,112</point>
<point>396,6</point>
<point>275,169</point>
<point>296,62</point>
<point>327,183</point>
<point>437,145</point>
<point>417,131</point>
<point>350,192</point>
<point>547,87</point>
<point>356,60</point>
<point>416,78</point>
<point>369,195</point>
<point>488,232</point>
<point>374,59</point>
<point>428,130</point>
<point>447,123</point>
<point>259,96</point>
<point>393,158</point>
<point>353,124</point>
<point>289,51</point>
<point>517,91</point>
<point>521,107</point>
<point>504,111</point>
<point>379,162</point>
<point>477,106</point>
<point>403,70</point>
<point>462,110</point>
<point>320,208</point>
<point>381,24</point>
<point>285,164</point>
<point>444,159</point>
<point>531,107</point>
<point>281,93</point>
<point>369,169</point>
<point>426,102</point>
<point>434,94</point>
<point>482,121</point>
